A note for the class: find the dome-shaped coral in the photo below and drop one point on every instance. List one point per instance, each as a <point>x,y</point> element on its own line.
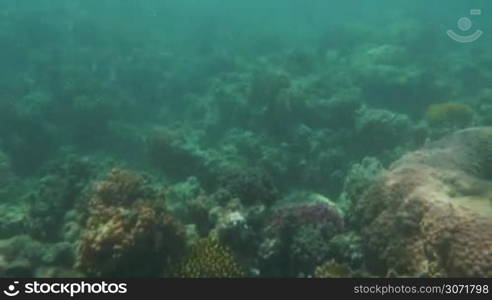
<point>431,214</point>
<point>449,114</point>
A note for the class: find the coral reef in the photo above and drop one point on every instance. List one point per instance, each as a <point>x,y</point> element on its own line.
<point>430,214</point>
<point>13,219</point>
<point>332,269</point>
<point>10,185</point>
<point>169,151</point>
<point>450,114</point>
<point>189,202</point>
<point>314,210</point>
<point>21,256</point>
<point>275,133</point>
<point>251,186</point>
<point>348,248</point>
<point>128,233</point>
<point>266,86</point>
<point>297,236</point>
<point>240,228</point>
<point>381,131</point>
<point>33,105</point>
<point>388,78</point>
<point>208,258</point>
<point>358,179</point>
<point>5,168</point>
<point>58,191</point>
<point>484,107</point>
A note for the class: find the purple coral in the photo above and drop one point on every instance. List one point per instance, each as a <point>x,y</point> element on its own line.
<point>325,216</point>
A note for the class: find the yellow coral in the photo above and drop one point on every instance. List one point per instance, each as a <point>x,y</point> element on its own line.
<point>208,258</point>
<point>332,269</point>
<point>449,113</point>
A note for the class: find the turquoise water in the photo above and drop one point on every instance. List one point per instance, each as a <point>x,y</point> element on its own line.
<point>231,138</point>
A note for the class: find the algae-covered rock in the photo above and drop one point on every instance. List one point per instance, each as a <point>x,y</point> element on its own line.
<point>22,256</point>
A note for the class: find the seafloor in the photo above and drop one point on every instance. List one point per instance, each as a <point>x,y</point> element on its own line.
<point>127,155</point>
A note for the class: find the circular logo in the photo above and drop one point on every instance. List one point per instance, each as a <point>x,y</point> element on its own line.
<point>464,24</point>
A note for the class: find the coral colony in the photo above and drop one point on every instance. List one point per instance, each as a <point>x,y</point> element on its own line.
<point>240,146</point>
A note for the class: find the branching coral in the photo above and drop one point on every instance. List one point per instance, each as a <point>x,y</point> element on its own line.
<point>119,187</point>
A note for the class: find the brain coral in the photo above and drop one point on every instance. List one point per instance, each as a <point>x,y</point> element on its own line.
<point>431,213</point>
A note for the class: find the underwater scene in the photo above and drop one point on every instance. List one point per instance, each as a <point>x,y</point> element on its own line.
<point>234,138</point>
